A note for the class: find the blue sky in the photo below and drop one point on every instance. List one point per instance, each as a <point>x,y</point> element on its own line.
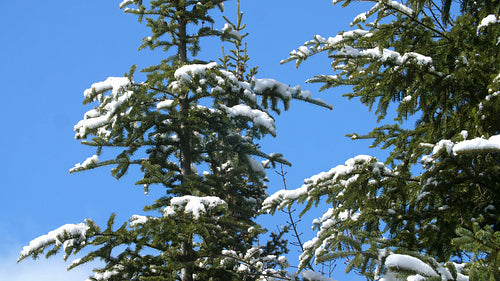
<point>51,51</point>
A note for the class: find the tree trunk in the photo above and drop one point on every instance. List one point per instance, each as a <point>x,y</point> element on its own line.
<point>184,139</point>
<point>184,136</point>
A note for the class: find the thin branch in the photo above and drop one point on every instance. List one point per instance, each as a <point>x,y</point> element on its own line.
<point>414,19</point>
<point>292,222</point>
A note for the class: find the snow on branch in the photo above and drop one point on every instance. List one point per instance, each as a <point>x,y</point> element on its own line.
<point>108,104</point>
<point>342,49</point>
<point>115,84</point>
<point>420,267</point>
<point>188,75</point>
<point>193,205</point>
<point>478,145</point>
<point>88,163</point>
<point>228,31</point>
<point>108,273</point>
<point>319,44</point>
<point>388,4</point>
<point>187,72</point>
<point>319,184</point>
<point>385,55</point>
<point>335,184</point>
<point>409,263</point>
<point>314,276</point>
<point>65,236</point>
<point>126,3</point>
<point>395,5</point>
<point>254,262</point>
<point>137,220</point>
<point>258,117</point>
<point>473,146</point>
<point>486,21</point>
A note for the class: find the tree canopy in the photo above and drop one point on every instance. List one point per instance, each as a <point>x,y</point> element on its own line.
<point>436,63</point>
<point>187,115</point>
<point>430,70</point>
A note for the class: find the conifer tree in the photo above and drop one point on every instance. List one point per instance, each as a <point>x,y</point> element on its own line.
<point>187,115</point>
<point>430,211</point>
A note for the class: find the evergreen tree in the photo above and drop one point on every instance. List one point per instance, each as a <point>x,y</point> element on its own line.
<point>187,114</point>
<point>436,62</point>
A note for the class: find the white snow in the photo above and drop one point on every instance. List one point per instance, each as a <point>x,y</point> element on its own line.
<point>477,145</point>
<point>92,160</point>
<point>258,117</point>
<point>464,134</point>
<point>406,262</point>
<point>125,2</point>
<point>343,40</point>
<point>255,165</point>
<point>73,263</point>
<point>315,276</point>
<point>473,146</point>
<point>229,30</point>
<point>284,90</point>
<point>348,167</point>
<point>184,73</point>
<point>112,83</point>
<point>73,231</point>
<point>443,144</point>
<point>136,220</point>
<point>397,6</point>
<point>106,275</point>
<point>164,104</point>
<point>103,115</point>
<point>417,277</point>
<point>406,99</point>
<point>360,17</point>
<point>386,55</point>
<point>193,205</point>
<point>490,19</point>
<point>339,39</point>
<point>302,52</point>
<point>283,198</point>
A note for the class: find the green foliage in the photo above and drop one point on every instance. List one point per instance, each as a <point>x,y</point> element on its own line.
<point>187,114</point>
<point>437,64</point>
<point>484,244</point>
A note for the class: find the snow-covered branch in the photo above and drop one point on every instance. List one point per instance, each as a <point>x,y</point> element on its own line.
<point>66,236</point>
<point>321,184</point>
<point>194,206</point>
<point>465,147</point>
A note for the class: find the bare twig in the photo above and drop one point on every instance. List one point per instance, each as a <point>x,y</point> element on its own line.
<point>292,222</point>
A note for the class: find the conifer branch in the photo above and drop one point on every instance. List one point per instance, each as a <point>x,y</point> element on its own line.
<point>416,20</point>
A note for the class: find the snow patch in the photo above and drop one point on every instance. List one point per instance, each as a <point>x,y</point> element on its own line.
<point>406,262</point>
<point>193,205</point>
<point>490,19</point>
<point>111,83</point>
<point>184,73</point>
<point>478,145</point>
<point>92,160</point>
<point>136,220</point>
<point>58,237</point>
<point>164,104</point>
<point>231,32</point>
<point>258,117</point>
<point>314,276</point>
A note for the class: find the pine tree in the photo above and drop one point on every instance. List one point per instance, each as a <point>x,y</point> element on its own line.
<point>187,115</point>
<point>436,62</point>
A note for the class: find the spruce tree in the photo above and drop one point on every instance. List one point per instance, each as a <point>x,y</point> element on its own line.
<point>430,211</point>
<point>187,115</point>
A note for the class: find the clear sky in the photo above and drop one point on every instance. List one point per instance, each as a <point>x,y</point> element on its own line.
<point>51,51</point>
